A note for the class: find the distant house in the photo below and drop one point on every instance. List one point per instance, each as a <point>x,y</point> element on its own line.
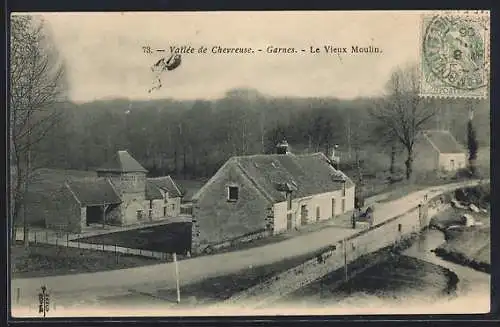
<point>259,195</point>
<point>119,194</point>
<point>438,150</point>
<point>163,197</point>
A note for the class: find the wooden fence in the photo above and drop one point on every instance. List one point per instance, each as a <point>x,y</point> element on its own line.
<point>73,241</point>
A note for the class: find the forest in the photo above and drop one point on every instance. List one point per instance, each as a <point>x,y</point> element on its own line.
<point>192,139</point>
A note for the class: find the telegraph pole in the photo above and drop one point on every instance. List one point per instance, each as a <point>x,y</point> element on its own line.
<point>345,259</point>
<point>177,278</point>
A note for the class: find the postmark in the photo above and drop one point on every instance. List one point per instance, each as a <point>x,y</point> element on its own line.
<point>455,55</point>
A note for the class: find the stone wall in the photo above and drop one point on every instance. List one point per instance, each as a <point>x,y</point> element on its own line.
<point>367,241</point>
<point>218,220</point>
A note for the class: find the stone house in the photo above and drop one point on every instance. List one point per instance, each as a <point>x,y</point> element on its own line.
<point>438,150</point>
<point>119,194</point>
<point>163,197</point>
<point>261,195</point>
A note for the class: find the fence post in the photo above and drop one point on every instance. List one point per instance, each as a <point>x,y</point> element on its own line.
<point>47,236</point>
<point>67,239</point>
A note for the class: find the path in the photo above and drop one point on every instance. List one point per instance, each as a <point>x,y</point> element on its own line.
<point>196,269</point>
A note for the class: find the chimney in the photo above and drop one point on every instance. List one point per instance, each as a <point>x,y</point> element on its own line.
<point>282,147</point>
<point>471,113</point>
<point>334,158</point>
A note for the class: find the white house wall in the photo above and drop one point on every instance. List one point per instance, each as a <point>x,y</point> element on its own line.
<point>445,161</point>
<point>172,206</point>
<point>323,201</point>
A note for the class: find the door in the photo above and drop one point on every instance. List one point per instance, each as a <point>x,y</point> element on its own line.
<point>303,214</point>
<point>94,215</point>
<point>333,207</point>
<point>289,221</point>
<point>343,205</point>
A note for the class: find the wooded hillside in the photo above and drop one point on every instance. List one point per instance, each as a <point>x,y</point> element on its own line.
<point>192,139</point>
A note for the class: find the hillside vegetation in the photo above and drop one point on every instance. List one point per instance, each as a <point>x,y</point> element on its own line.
<point>192,139</point>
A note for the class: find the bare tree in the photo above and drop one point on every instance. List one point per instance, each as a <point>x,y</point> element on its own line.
<point>403,113</point>
<point>36,84</point>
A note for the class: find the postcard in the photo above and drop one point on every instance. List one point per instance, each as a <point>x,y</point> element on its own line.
<point>249,163</point>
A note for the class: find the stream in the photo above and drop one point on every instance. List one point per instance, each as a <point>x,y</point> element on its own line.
<point>469,280</point>
<point>411,282</point>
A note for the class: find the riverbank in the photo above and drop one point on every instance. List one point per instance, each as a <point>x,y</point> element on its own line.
<point>466,245</point>
<point>471,248</point>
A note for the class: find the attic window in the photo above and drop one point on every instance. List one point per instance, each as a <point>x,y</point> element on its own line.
<point>232,193</point>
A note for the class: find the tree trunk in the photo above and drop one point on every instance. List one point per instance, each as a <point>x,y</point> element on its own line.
<point>392,168</point>
<point>184,162</point>
<point>175,162</point>
<point>358,167</point>
<point>409,165</point>
<point>26,182</point>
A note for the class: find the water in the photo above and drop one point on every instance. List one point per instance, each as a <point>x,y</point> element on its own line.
<point>469,280</point>
<point>412,282</point>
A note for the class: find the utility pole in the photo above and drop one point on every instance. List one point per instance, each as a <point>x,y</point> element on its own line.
<point>177,278</point>
<point>345,260</point>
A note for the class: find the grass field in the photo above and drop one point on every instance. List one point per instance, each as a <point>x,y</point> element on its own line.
<point>169,238</point>
<point>48,260</point>
<point>470,246</point>
<point>212,290</point>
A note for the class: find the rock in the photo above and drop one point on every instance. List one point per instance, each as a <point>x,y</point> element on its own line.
<point>473,207</point>
<point>468,220</point>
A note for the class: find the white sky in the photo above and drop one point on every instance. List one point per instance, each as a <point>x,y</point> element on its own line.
<point>105,59</point>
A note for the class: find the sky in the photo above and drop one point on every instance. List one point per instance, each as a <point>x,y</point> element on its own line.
<point>104,56</point>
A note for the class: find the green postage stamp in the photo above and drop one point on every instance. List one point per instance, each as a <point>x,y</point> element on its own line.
<point>455,55</point>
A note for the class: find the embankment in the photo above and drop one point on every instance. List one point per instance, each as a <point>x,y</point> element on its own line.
<point>356,248</point>
<point>467,245</point>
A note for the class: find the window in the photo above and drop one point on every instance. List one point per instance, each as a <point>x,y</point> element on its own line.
<point>232,193</point>
<point>343,205</point>
<point>173,207</point>
<point>139,214</point>
<point>400,228</point>
<point>343,188</point>
<point>318,215</point>
<point>164,211</point>
<point>289,201</point>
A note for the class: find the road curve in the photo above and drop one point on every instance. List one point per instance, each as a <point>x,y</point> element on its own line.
<point>198,268</point>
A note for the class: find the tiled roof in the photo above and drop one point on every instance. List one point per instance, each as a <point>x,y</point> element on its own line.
<point>167,183</point>
<point>152,191</point>
<point>444,142</point>
<point>123,162</point>
<point>305,175</point>
<point>94,192</point>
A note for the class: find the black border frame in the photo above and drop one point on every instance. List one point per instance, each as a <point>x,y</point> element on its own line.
<point>175,5</point>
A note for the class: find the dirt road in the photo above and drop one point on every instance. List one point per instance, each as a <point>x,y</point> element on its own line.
<point>91,285</point>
